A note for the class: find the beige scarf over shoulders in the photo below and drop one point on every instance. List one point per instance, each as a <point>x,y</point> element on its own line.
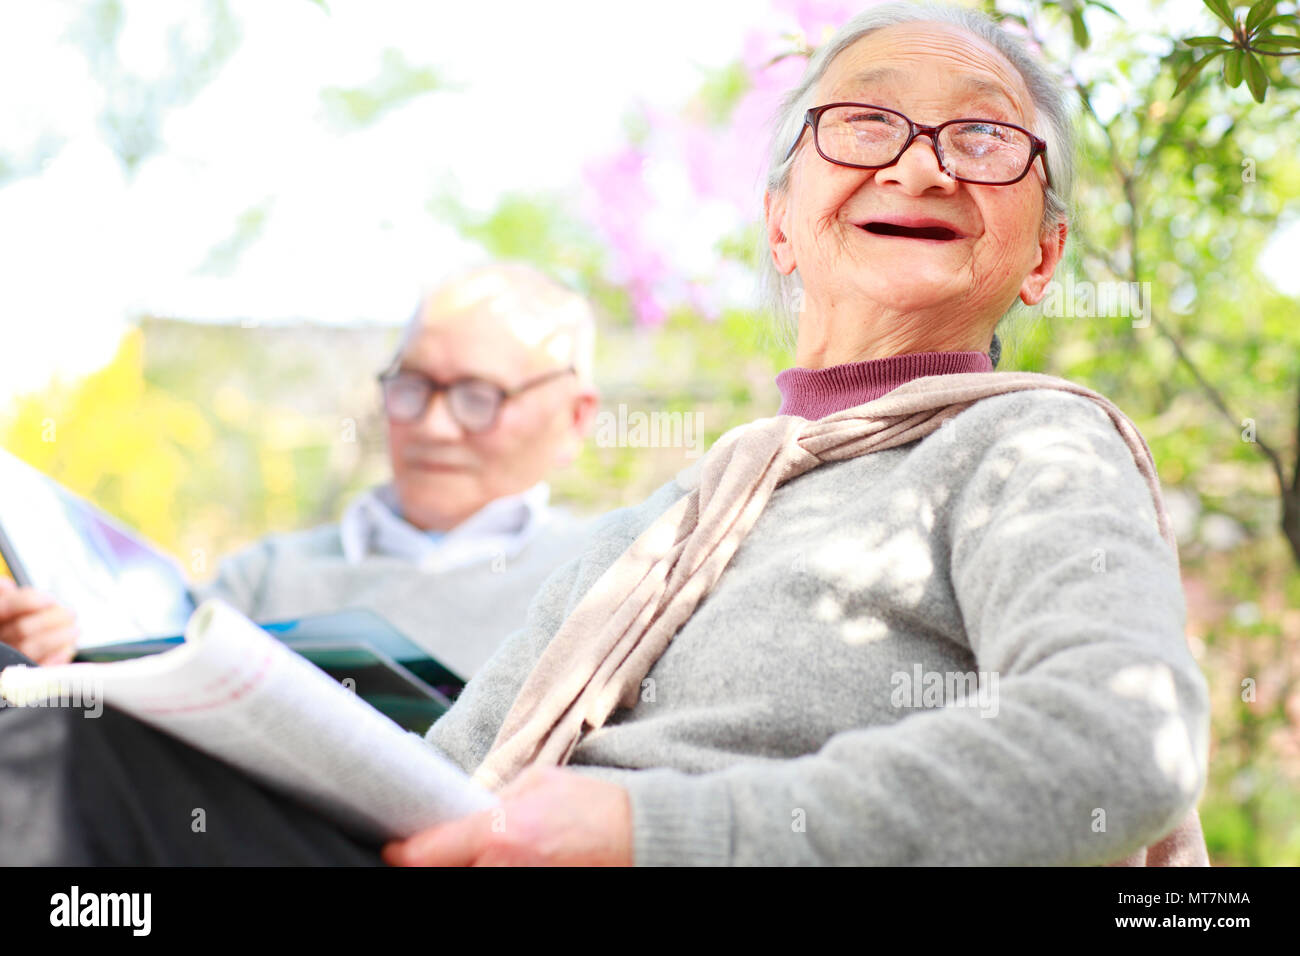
<point>604,649</point>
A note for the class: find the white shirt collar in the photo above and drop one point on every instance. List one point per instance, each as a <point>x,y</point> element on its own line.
<point>371,525</point>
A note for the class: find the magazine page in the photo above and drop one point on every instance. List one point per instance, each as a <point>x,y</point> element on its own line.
<point>238,694</point>
<point>121,587</point>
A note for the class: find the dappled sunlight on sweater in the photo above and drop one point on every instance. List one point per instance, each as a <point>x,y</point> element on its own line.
<point>866,561</point>
<point>1174,752</point>
<point>901,563</point>
<point>853,630</point>
<point>917,567</point>
<point>1048,445</point>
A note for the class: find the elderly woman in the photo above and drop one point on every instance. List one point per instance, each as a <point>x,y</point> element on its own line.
<point>850,635</point>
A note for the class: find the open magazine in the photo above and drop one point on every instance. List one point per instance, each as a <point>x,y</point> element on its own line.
<point>120,585</point>
<point>354,645</point>
<point>238,694</point>
<point>131,599</point>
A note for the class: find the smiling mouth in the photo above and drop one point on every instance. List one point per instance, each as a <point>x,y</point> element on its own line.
<point>938,233</point>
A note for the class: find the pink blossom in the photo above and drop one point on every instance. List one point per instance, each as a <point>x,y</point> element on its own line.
<point>729,163</point>
<point>648,309</point>
<point>617,202</point>
<point>1026,36</point>
<point>724,168</point>
<point>817,17</point>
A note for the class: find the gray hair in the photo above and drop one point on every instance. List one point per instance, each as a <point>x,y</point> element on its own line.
<point>1050,103</point>
<point>543,313</point>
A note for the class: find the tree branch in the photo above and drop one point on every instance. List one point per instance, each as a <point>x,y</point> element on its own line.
<point>1217,399</point>
<point>1134,271</point>
<point>1295,472</point>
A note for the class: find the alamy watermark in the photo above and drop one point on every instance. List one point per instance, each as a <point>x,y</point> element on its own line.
<point>1086,300</point>
<point>637,429</point>
<point>77,908</point>
<point>83,694</point>
<point>932,689</point>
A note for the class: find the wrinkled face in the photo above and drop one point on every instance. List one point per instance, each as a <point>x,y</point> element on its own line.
<point>443,473</point>
<point>846,230</point>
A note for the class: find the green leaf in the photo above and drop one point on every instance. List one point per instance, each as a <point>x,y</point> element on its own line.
<point>1279,40</point>
<point>1222,10</point>
<point>1194,71</point>
<point>1256,78</point>
<point>1290,18</point>
<point>1206,41</point>
<point>1232,68</point>
<point>1258,12</point>
<point>1080,29</point>
<point>1105,6</point>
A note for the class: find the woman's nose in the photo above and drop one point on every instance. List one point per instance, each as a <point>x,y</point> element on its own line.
<point>919,166</point>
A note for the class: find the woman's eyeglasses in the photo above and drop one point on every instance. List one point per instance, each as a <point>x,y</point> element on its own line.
<point>474,403</point>
<point>979,151</point>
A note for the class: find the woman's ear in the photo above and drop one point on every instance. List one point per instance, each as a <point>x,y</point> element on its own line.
<point>1051,246</point>
<point>774,214</point>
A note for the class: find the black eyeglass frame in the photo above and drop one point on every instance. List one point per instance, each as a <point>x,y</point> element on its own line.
<point>434,387</point>
<point>813,118</point>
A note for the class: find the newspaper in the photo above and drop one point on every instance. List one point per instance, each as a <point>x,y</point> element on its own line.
<point>238,694</point>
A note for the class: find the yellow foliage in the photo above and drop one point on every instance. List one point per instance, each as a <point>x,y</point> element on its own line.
<point>116,440</point>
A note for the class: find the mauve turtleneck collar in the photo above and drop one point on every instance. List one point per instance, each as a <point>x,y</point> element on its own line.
<point>816,393</point>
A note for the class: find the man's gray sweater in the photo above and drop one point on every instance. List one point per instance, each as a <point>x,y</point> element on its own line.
<point>820,704</point>
<point>459,615</point>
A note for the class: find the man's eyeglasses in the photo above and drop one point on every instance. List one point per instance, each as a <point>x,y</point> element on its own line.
<point>979,151</point>
<point>473,402</point>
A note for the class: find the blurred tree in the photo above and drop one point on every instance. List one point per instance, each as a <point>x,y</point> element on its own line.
<point>198,42</point>
<point>1188,178</point>
<point>136,105</point>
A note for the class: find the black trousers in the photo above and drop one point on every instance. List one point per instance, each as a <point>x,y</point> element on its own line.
<point>109,790</point>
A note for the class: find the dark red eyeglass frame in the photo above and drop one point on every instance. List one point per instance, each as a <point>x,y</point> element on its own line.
<point>813,118</point>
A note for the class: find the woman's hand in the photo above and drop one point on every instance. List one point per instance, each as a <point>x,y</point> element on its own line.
<point>33,624</point>
<point>547,817</point>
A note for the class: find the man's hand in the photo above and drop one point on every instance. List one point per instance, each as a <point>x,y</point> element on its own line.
<point>33,624</point>
<point>547,817</point>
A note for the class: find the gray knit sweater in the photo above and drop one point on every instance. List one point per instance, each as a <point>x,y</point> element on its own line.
<point>821,705</point>
<point>459,615</point>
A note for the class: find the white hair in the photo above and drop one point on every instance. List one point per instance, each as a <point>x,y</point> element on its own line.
<point>1050,103</point>
<point>541,312</point>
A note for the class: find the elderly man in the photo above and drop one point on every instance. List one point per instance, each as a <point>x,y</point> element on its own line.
<point>489,390</point>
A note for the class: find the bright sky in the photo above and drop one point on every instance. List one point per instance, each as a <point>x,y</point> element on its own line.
<point>348,237</point>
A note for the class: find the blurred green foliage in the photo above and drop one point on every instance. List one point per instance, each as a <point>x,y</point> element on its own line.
<point>398,83</point>
<point>136,106</point>
<point>1181,188</point>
